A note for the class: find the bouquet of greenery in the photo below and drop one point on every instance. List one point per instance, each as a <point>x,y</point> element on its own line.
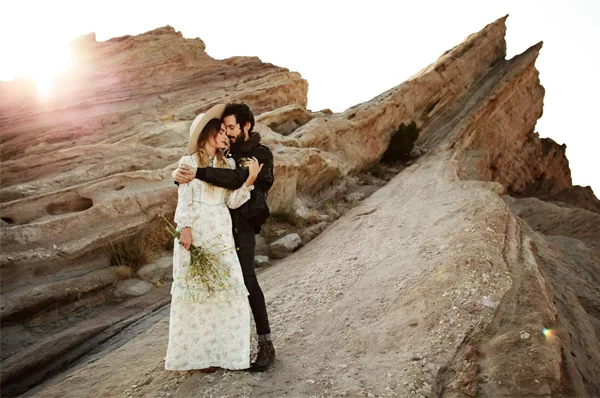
<point>205,269</point>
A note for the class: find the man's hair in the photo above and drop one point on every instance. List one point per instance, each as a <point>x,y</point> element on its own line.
<point>242,114</point>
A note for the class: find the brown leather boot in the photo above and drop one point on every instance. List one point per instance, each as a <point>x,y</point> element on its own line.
<point>264,358</point>
<point>210,369</point>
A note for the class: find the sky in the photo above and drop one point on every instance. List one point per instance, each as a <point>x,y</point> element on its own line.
<point>348,51</point>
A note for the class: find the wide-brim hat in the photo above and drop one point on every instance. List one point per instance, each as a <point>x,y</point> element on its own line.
<point>216,112</point>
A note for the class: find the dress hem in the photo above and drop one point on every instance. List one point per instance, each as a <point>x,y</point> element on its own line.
<point>198,367</point>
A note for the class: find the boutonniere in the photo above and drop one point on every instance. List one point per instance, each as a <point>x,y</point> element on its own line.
<point>244,162</point>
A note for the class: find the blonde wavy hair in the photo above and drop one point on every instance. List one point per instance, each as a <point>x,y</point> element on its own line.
<point>211,129</point>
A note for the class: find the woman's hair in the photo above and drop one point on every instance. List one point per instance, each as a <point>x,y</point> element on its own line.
<point>210,130</point>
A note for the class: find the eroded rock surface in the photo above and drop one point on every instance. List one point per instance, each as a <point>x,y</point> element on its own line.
<point>438,284</point>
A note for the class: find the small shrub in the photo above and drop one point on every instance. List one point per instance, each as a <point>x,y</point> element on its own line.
<point>352,203</point>
<point>288,217</point>
<point>282,216</point>
<point>328,205</point>
<point>157,234</point>
<point>312,217</point>
<point>402,143</point>
<point>132,252</point>
<point>141,248</point>
<point>124,272</point>
<point>378,171</point>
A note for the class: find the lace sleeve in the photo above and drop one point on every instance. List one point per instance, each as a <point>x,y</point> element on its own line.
<point>239,196</point>
<point>184,214</point>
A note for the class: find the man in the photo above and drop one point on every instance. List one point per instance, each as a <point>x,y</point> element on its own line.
<point>245,143</point>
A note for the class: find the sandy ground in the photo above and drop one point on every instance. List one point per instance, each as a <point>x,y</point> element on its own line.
<point>385,303</point>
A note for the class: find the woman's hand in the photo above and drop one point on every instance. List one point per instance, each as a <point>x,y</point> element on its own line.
<point>253,169</point>
<point>186,238</point>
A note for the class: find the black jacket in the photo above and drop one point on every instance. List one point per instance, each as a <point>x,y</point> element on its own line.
<point>234,178</point>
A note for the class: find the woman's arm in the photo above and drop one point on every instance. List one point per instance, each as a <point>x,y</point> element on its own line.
<point>184,213</point>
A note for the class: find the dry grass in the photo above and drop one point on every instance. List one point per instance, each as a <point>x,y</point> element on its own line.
<point>157,235</point>
<point>312,217</point>
<point>141,248</point>
<point>352,202</point>
<point>288,217</point>
<point>124,272</point>
<point>132,252</point>
<point>378,171</point>
<point>328,205</point>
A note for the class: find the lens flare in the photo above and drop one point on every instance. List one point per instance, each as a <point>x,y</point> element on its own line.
<point>44,84</point>
<point>41,62</point>
<point>547,333</point>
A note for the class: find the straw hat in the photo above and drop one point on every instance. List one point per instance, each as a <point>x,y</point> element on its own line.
<point>216,112</point>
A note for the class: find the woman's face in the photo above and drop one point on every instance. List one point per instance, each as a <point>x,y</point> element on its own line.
<point>220,140</point>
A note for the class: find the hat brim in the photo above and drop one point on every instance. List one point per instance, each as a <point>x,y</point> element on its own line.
<point>216,112</point>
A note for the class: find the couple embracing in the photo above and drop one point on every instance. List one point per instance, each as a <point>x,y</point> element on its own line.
<point>221,206</point>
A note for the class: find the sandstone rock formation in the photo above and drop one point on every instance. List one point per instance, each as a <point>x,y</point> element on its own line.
<point>89,167</point>
<point>287,119</point>
<point>438,284</point>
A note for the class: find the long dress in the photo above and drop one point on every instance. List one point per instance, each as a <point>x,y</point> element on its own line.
<point>208,328</point>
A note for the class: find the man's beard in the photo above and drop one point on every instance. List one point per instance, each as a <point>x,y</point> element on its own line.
<point>237,145</point>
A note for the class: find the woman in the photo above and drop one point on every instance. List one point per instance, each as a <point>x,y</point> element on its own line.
<point>208,329</point>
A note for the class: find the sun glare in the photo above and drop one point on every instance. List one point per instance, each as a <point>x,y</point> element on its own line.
<point>43,64</point>
<point>55,63</point>
<point>43,84</point>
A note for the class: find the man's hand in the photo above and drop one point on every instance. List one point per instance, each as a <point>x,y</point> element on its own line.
<point>253,169</point>
<point>184,174</point>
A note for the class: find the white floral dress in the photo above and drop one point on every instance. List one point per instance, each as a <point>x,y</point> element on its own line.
<point>208,329</point>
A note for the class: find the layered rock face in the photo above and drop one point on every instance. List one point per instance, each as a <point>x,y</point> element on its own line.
<point>498,102</point>
<point>131,90</point>
<point>436,285</point>
<point>353,140</point>
<point>89,166</point>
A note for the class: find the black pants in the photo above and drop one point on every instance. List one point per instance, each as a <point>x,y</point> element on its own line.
<point>245,242</point>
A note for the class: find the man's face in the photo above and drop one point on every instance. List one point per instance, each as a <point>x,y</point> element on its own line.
<point>233,128</point>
